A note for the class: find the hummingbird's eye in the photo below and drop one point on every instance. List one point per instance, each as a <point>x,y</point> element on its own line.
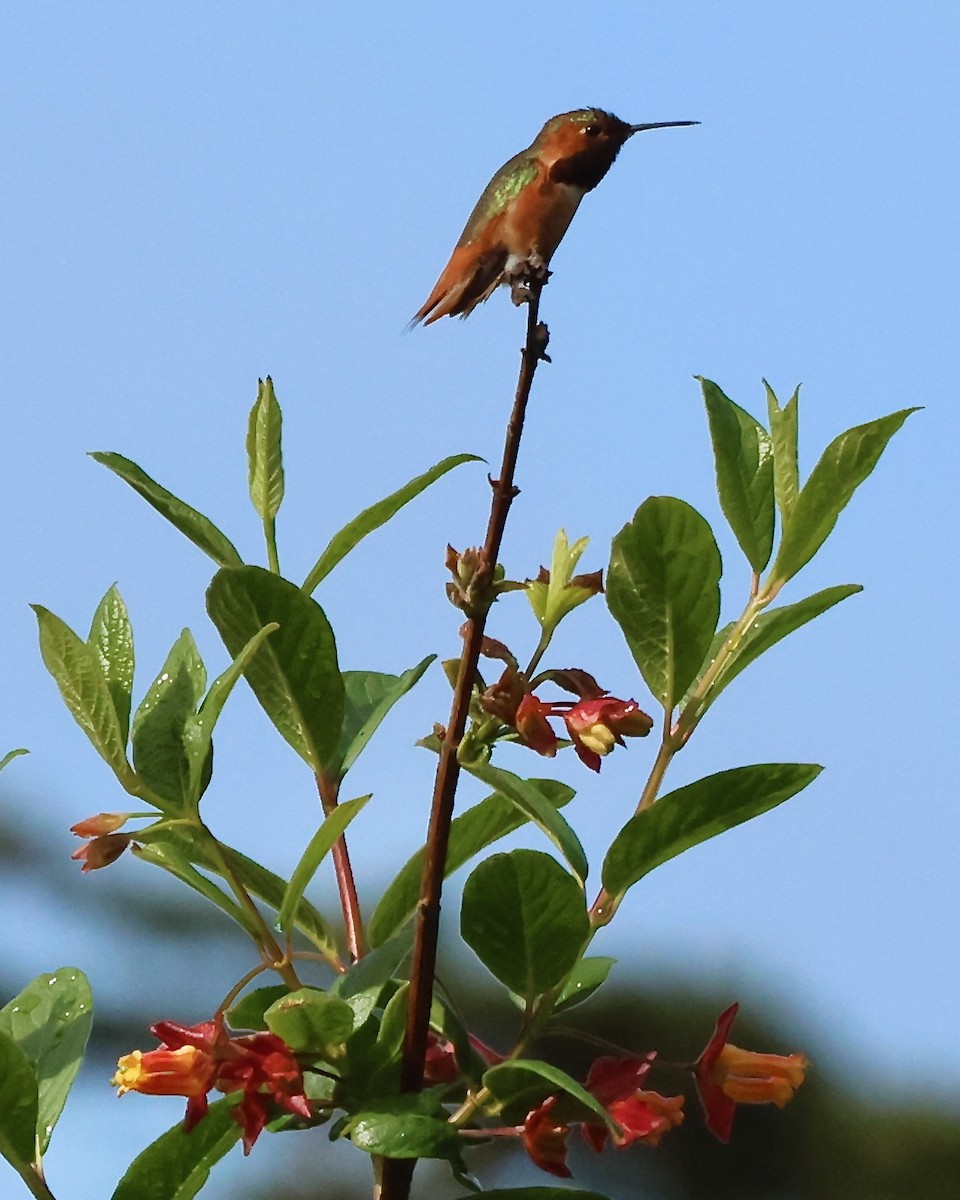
<point>591,131</point>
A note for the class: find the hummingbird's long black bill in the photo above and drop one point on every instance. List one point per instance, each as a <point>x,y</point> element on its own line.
<point>660,125</point>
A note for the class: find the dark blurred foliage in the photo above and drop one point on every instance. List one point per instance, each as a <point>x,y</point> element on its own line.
<point>831,1143</point>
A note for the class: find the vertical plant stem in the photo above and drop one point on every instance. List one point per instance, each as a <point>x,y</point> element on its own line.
<point>349,903</point>
<point>398,1173</point>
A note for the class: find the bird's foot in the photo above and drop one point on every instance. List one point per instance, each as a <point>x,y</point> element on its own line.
<point>522,273</point>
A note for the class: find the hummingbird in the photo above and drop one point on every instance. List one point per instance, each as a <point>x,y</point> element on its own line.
<point>527,207</point>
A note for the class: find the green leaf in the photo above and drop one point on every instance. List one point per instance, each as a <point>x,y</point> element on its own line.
<point>177,1164</point>
<point>699,811</point>
<point>160,725</point>
<point>663,589</point>
<point>169,855</point>
<point>375,968</point>
<point>264,454</point>
<point>531,1080</point>
<point>248,1012</point>
<point>310,1020</point>
<point>770,628</point>
<point>552,600</point>
<point>194,525</point>
<point>198,730</point>
<point>786,469</point>
<point>295,676</point>
<point>588,975</point>
<point>317,849</point>
<point>471,832</point>
<point>75,666</point>
<point>263,884</point>
<point>531,802</point>
<point>111,636</point>
<point>743,454</point>
<point>10,756</point>
<point>393,1023</point>
<point>843,466</point>
<point>525,918</point>
<point>50,1021</point>
<point>376,515</point>
<point>368,697</point>
<point>398,1129</point>
<point>18,1106</point>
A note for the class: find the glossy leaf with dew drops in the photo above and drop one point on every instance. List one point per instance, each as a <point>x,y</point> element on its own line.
<point>111,636</point>
<point>784,422</point>
<point>50,1020</point>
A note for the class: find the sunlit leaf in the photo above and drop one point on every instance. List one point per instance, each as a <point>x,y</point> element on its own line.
<point>264,454</point>
<point>111,636</point>
<point>194,525</point>
<point>786,468</point>
<point>699,811</point>
<point>531,1080</point>
<point>376,515</point>
<point>588,975</point>
<point>843,466</point>
<point>743,454</point>
<point>75,665</point>
<point>18,1106</point>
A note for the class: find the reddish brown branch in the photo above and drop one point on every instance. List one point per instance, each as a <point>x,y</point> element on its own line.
<point>398,1173</point>
<point>350,905</point>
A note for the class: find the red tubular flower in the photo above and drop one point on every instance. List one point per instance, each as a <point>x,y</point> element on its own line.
<point>440,1062</point>
<point>533,727</point>
<point>642,1116</point>
<point>192,1059</point>
<point>545,1139</point>
<point>101,851</point>
<point>596,726</point>
<point>727,1076</point>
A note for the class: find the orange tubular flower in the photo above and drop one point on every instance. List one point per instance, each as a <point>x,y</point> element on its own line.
<point>727,1076</point>
<point>101,851</point>
<point>642,1116</point>
<point>193,1059</point>
<point>100,824</point>
<point>545,1139</point>
<point>596,726</point>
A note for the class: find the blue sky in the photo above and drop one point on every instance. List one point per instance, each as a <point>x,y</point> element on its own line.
<point>198,195</point>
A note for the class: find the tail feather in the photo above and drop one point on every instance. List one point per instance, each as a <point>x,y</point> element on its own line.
<point>464,283</point>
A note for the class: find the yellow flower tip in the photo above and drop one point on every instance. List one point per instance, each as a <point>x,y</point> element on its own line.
<point>750,1078</point>
<point>128,1072</point>
<point>599,738</point>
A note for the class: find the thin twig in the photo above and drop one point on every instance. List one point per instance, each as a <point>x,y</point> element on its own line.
<point>398,1173</point>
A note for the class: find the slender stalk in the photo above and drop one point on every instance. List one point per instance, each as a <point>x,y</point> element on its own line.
<point>36,1185</point>
<point>270,537</point>
<point>398,1173</point>
<point>353,923</point>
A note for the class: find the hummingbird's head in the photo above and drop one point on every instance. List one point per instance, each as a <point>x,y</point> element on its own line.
<point>579,147</point>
